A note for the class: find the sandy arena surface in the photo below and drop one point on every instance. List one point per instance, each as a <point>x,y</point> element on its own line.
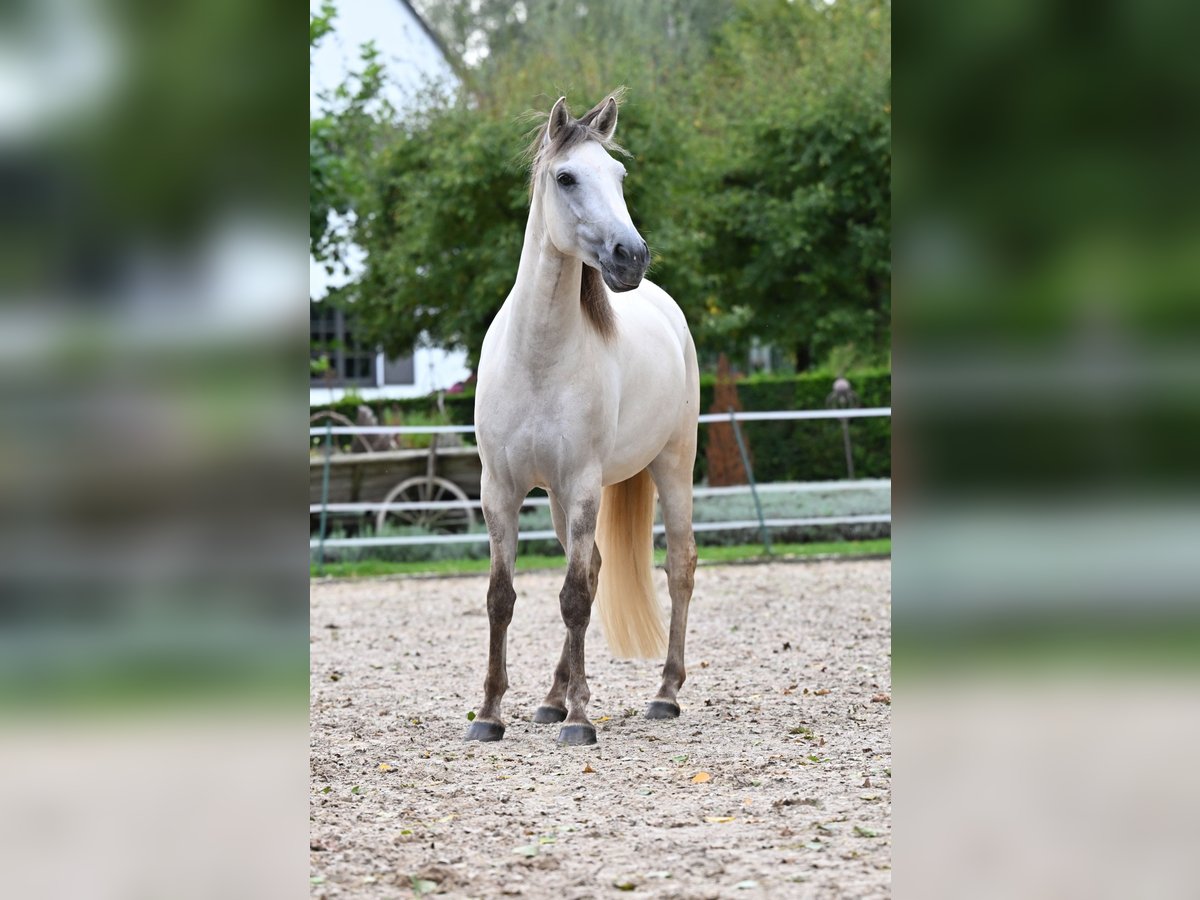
<point>785,710</point>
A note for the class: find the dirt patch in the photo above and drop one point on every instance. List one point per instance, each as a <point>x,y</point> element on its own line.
<point>786,709</point>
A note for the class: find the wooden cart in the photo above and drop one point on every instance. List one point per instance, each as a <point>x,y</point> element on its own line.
<point>447,476</point>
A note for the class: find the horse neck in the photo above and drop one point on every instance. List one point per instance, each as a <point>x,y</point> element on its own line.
<point>546,320</point>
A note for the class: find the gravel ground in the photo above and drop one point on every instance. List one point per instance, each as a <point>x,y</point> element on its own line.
<point>775,781</point>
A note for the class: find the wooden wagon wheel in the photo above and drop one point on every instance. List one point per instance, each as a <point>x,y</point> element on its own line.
<point>457,516</point>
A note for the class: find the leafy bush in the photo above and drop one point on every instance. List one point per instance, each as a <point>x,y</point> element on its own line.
<point>408,552</point>
<point>791,505</point>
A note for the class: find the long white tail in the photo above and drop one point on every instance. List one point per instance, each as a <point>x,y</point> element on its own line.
<point>626,599</point>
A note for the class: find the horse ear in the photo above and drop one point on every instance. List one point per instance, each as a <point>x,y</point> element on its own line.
<point>606,118</point>
<point>559,117</point>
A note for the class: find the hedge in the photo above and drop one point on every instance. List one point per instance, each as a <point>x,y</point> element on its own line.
<point>782,451</point>
<point>808,450</point>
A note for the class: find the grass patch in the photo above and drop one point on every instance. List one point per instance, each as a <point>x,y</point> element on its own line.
<point>370,568</point>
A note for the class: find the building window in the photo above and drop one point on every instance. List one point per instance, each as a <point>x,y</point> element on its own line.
<point>399,371</point>
<point>350,363</point>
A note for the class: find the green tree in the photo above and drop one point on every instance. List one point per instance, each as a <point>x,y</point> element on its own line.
<point>759,176</point>
<point>800,213</point>
<point>441,223</point>
<point>342,146</point>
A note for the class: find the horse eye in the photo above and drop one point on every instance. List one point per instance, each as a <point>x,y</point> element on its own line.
<point>566,179</point>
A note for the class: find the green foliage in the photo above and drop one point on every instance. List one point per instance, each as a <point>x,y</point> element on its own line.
<point>790,505</point>
<point>800,212</point>
<point>417,416</point>
<point>342,146</point>
<point>321,23</point>
<point>409,552</point>
<point>808,450</point>
<point>442,224</point>
<point>760,134</point>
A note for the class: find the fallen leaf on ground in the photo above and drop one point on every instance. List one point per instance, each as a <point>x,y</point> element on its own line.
<point>882,698</point>
<point>717,820</point>
<point>604,718</point>
<point>588,770</point>
<point>384,767</point>
<point>624,885</point>
<point>821,692</point>
<point>701,777</point>
<point>420,886</point>
<point>865,832</point>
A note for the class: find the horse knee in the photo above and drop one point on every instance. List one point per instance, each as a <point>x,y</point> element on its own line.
<point>501,598</point>
<point>575,599</point>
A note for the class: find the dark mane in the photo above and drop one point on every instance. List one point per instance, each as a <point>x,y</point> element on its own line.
<point>594,300</point>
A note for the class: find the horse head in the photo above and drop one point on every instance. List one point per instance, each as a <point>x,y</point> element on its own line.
<point>580,187</point>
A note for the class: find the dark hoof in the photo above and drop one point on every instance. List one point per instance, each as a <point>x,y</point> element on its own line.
<point>662,709</point>
<point>484,731</point>
<point>577,735</point>
<point>546,715</point>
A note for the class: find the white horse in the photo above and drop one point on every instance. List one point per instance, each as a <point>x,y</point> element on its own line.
<point>592,394</point>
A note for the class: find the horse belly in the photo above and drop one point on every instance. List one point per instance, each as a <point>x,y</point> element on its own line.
<point>650,416</point>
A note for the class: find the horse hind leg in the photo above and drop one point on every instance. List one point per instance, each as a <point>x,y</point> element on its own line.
<point>675,492</point>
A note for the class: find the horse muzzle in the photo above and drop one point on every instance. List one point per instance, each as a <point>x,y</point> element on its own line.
<point>625,264</point>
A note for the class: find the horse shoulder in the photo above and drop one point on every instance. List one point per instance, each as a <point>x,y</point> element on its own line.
<point>648,302</point>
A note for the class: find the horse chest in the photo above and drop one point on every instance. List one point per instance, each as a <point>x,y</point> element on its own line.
<point>536,432</point>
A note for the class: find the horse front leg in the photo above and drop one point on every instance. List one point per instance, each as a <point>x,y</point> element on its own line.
<point>674,483</point>
<point>554,707</point>
<point>500,511</point>
<point>575,602</point>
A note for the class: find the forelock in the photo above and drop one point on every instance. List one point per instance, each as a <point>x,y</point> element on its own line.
<point>574,133</point>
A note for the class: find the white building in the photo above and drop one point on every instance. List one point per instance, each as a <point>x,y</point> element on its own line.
<point>413,56</point>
